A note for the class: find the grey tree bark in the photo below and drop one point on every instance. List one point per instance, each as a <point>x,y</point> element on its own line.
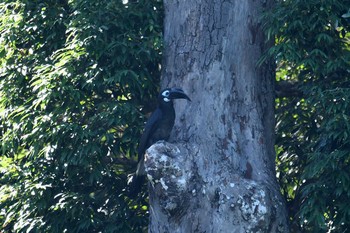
<point>218,174</point>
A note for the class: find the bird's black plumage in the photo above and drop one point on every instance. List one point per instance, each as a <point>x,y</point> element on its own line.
<point>158,127</point>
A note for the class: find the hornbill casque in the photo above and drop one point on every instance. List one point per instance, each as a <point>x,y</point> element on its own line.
<point>158,127</point>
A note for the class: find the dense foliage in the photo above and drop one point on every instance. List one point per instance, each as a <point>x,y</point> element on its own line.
<point>74,80</point>
<point>313,123</point>
<point>78,76</point>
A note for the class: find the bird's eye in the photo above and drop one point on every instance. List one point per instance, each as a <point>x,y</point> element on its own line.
<point>166,93</point>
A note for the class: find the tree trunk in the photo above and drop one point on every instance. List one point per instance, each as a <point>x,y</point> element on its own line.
<point>219,176</point>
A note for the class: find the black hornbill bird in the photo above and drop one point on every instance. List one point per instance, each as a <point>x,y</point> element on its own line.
<point>158,127</point>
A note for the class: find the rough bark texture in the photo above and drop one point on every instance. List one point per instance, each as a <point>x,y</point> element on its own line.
<point>219,176</point>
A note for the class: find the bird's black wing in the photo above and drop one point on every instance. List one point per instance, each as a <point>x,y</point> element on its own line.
<point>150,127</point>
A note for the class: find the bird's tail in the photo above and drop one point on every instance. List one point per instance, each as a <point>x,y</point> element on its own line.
<point>135,183</point>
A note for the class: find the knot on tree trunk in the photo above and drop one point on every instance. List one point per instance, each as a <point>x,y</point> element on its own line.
<point>169,178</point>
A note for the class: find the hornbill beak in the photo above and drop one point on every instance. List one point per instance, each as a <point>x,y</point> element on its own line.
<point>177,93</point>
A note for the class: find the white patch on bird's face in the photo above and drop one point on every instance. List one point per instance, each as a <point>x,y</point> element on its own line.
<point>166,94</point>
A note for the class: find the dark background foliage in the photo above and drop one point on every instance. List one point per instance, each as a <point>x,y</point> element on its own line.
<point>78,77</point>
<point>313,150</point>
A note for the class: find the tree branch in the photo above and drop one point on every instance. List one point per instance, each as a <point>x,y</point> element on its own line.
<point>287,89</point>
